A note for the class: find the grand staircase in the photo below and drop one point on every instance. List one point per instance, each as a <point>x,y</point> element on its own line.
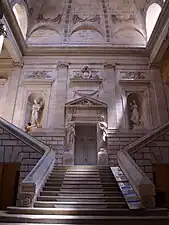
<point>80,187</point>
<point>81,195</point>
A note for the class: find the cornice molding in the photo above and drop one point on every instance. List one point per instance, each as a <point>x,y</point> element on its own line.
<point>86,51</point>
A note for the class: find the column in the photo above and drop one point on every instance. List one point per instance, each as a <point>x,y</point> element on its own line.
<point>58,97</point>
<point>12,92</point>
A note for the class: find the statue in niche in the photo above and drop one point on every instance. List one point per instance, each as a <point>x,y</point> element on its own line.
<point>102,156</point>
<point>36,113</point>
<point>135,115</point>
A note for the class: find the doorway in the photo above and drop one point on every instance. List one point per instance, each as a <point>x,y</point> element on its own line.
<point>86,144</point>
<point>9,181</point>
<point>161,181</point>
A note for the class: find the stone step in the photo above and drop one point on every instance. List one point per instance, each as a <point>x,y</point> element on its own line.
<point>52,183</point>
<point>93,212</point>
<point>75,179</point>
<point>65,193</point>
<point>76,188</point>
<point>80,198</point>
<point>47,204</point>
<point>86,193</point>
<point>85,220</point>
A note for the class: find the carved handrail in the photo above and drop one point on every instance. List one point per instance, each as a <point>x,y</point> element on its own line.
<point>24,137</point>
<point>140,182</point>
<point>146,139</point>
<point>32,184</point>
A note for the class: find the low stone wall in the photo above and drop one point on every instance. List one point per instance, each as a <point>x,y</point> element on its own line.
<point>157,151</point>
<point>116,141</point>
<point>55,139</point>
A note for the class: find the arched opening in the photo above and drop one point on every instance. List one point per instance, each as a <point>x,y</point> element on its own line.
<point>152,15</point>
<point>21,17</point>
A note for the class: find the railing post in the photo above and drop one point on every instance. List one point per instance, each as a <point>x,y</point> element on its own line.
<point>27,195</point>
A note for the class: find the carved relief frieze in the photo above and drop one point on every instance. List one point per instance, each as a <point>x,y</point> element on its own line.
<point>39,75</point>
<point>133,75</point>
<point>77,19</point>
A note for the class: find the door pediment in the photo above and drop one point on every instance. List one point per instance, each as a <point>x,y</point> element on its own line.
<point>84,102</point>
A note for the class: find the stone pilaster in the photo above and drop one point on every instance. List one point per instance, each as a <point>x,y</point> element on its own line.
<point>109,94</point>
<point>159,106</point>
<point>58,97</point>
<point>12,91</point>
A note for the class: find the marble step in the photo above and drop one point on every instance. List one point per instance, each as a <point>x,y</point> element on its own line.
<point>47,204</point>
<point>76,188</point>
<point>52,183</point>
<point>75,179</point>
<point>93,212</point>
<point>87,193</point>
<point>85,220</point>
<point>65,193</point>
<point>80,198</point>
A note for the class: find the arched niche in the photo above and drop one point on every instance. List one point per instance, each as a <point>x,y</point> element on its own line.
<point>152,15</point>
<point>135,110</point>
<point>21,17</point>
<point>39,98</point>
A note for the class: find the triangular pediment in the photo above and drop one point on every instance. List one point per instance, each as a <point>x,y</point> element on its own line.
<point>86,101</point>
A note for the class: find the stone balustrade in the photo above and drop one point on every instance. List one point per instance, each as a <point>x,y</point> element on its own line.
<point>140,182</point>
<point>33,183</point>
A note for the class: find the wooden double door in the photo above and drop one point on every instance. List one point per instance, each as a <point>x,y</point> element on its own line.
<point>85,145</point>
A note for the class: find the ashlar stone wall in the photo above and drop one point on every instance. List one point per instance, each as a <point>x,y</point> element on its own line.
<point>13,149</point>
<point>157,151</point>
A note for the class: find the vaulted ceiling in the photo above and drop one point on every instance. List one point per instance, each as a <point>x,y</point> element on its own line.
<point>91,22</point>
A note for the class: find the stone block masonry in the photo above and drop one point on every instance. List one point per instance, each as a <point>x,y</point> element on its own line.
<point>55,140</point>
<point>13,150</point>
<point>116,141</point>
<point>155,152</point>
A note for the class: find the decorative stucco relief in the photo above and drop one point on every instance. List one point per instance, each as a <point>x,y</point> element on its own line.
<point>86,74</point>
<point>77,19</point>
<point>39,75</point>
<point>133,75</point>
<point>57,19</point>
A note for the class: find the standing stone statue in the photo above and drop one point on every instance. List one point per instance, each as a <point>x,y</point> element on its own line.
<point>35,114</point>
<point>135,116</point>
